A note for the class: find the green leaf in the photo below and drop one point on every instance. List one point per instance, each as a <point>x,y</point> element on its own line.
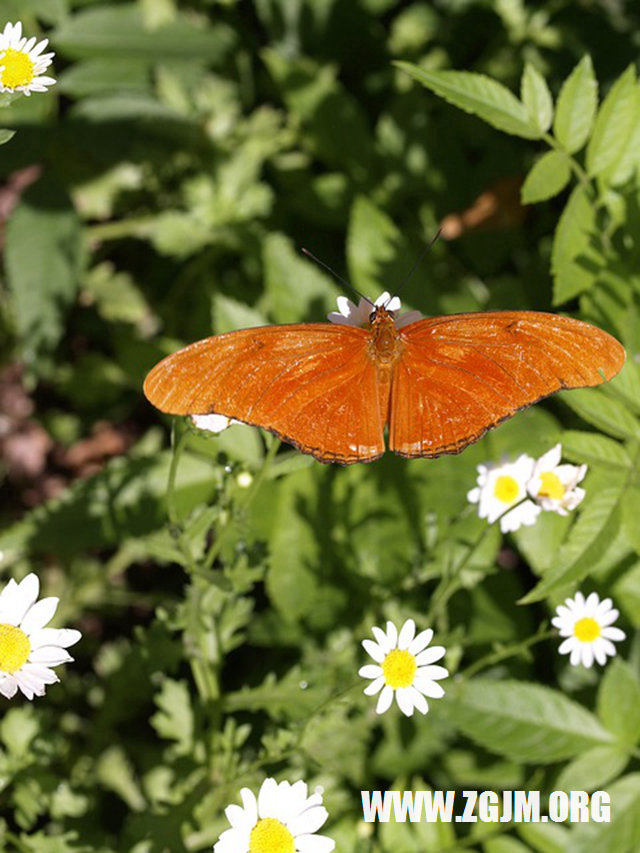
<point>591,448</point>
<point>95,76</point>
<point>372,242</point>
<point>626,385</point>
<point>539,543</point>
<point>544,837</point>
<point>18,728</point>
<point>114,771</point>
<point>571,248</point>
<point>630,516</point>
<point>619,702</point>
<point>118,31</point>
<point>6,135</point>
<point>593,532</point>
<point>230,314</point>
<point>336,127</point>
<point>576,107</point>
<point>614,123</point>
<point>626,590</point>
<point>174,719</point>
<point>602,412</point>
<point>536,98</point>
<point>116,296</point>
<point>277,697</point>
<point>294,285</point>
<point>524,721</point>
<point>479,95</point>
<point>626,166</point>
<point>593,769</point>
<point>125,499</point>
<point>622,834</point>
<point>44,256</point>
<point>505,844</point>
<point>548,176</point>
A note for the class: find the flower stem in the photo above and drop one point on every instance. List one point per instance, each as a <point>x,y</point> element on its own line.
<point>507,652</point>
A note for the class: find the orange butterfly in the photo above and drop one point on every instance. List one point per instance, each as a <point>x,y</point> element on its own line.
<point>438,383</point>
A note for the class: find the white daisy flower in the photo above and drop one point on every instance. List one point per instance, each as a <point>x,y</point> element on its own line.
<point>587,625</point>
<point>212,423</point>
<point>28,650</point>
<point>350,314</point>
<point>555,486</point>
<point>501,487</point>
<point>283,819</point>
<point>404,667</point>
<point>22,62</point>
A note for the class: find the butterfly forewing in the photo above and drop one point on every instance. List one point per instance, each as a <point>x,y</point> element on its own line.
<point>312,384</point>
<point>461,375</point>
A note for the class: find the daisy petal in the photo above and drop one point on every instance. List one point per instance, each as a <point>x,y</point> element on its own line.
<point>385,700</point>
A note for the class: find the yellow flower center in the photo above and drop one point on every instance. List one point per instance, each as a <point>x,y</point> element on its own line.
<point>551,486</point>
<point>18,68</point>
<point>271,836</point>
<point>587,630</point>
<point>399,668</point>
<point>14,648</point>
<point>506,489</point>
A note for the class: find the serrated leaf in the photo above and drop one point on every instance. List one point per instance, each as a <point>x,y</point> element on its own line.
<point>480,96</point>
<point>571,248</point>
<point>602,412</point>
<point>548,176</point>
<point>114,771</point>
<point>591,535</point>
<point>591,448</point>
<point>18,728</point>
<point>576,107</point>
<point>44,254</point>
<point>174,718</point>
<point>622,834</point>
<point>536,98</point>
<point>614,123</point>
<point>525,721</point>
<point>282,697</point>
<point>619,702</point>
<point>593,769</point>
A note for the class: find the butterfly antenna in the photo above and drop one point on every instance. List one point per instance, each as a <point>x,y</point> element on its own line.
<point>336,276</point>
<point>419,261</point>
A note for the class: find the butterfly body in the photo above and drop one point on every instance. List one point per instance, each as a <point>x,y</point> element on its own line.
<point>438,383</point>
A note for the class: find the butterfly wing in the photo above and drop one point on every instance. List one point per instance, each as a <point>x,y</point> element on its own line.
<point>462,374</point>
<point>311,384</point>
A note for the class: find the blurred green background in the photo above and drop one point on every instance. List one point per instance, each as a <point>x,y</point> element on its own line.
<point>162,191</point>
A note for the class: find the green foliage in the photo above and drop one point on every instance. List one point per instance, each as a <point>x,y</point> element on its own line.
<point>161,192</point>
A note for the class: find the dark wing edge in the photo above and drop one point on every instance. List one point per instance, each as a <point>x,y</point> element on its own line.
<point>463,375</point>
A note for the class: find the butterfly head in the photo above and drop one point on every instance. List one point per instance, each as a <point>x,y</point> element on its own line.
<point>367,313</point>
